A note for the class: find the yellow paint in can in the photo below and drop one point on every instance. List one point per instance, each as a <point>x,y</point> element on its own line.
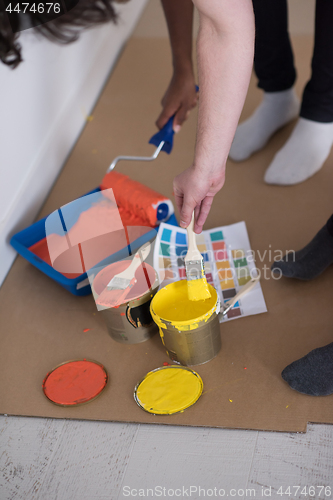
<point>173,305</point>
<point>168,390</point>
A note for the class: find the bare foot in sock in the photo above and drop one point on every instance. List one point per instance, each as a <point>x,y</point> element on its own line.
<point>303,154</point>
<point>309,262</point>
<point>276,110</point>
<point>312,374</point>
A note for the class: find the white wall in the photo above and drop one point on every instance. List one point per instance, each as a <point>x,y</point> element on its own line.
<point>42,112</point>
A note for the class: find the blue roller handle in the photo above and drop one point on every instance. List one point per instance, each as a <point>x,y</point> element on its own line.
<point>166,134</point>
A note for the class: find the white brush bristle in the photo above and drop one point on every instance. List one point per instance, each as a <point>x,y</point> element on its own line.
<point>118,283</point>
<point>194,269</point>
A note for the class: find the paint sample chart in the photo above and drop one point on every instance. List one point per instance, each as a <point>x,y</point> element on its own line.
<point>228,260</point>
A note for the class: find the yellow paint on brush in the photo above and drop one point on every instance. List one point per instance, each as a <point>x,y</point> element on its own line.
<point>172,304</point>
<point>169,390</point>
<point>198,289</point>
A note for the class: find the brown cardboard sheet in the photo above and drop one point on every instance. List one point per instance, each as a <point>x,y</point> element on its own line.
<point>41,324</point>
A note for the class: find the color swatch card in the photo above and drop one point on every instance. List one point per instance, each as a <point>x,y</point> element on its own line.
<point>228,260</point>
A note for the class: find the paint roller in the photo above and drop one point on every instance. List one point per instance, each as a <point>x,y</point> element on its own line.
<point>138,206</point>
<point>135,198</point>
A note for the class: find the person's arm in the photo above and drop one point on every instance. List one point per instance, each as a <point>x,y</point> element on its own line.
<point>225,57</point>
<point>181,95</point>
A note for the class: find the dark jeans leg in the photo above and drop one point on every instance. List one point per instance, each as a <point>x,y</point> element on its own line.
<point>273,60</point>
<point>329,225</point>
<point>317,102</point>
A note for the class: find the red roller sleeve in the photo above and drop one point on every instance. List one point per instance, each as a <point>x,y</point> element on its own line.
<point>133,197</point>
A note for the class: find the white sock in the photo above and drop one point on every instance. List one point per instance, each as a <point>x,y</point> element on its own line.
<point>275,111</point>
<point>303,154</point>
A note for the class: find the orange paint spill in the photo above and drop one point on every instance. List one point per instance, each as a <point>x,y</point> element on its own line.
<point>75,382</point>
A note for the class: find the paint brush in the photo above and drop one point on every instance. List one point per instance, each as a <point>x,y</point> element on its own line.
<point>197,286</point>
<point>120,285</point>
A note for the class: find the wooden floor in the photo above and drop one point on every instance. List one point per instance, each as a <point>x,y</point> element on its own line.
<point>48,459</point>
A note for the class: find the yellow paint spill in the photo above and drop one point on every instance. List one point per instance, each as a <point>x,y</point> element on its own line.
<point>169,390</point>
<point>198,289</point>
<point>230,400</point>
<point>172,304</point>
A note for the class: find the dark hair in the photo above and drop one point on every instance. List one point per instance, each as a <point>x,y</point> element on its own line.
<point>64,29</point>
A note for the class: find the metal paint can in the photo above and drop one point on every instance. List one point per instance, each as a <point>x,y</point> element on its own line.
<point>188,342</point>
<point>130,322</point>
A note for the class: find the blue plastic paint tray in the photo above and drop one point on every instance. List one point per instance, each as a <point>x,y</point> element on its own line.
<point>78,285</point>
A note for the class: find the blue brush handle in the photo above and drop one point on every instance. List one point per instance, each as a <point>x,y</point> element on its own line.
<point>166,134</point>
